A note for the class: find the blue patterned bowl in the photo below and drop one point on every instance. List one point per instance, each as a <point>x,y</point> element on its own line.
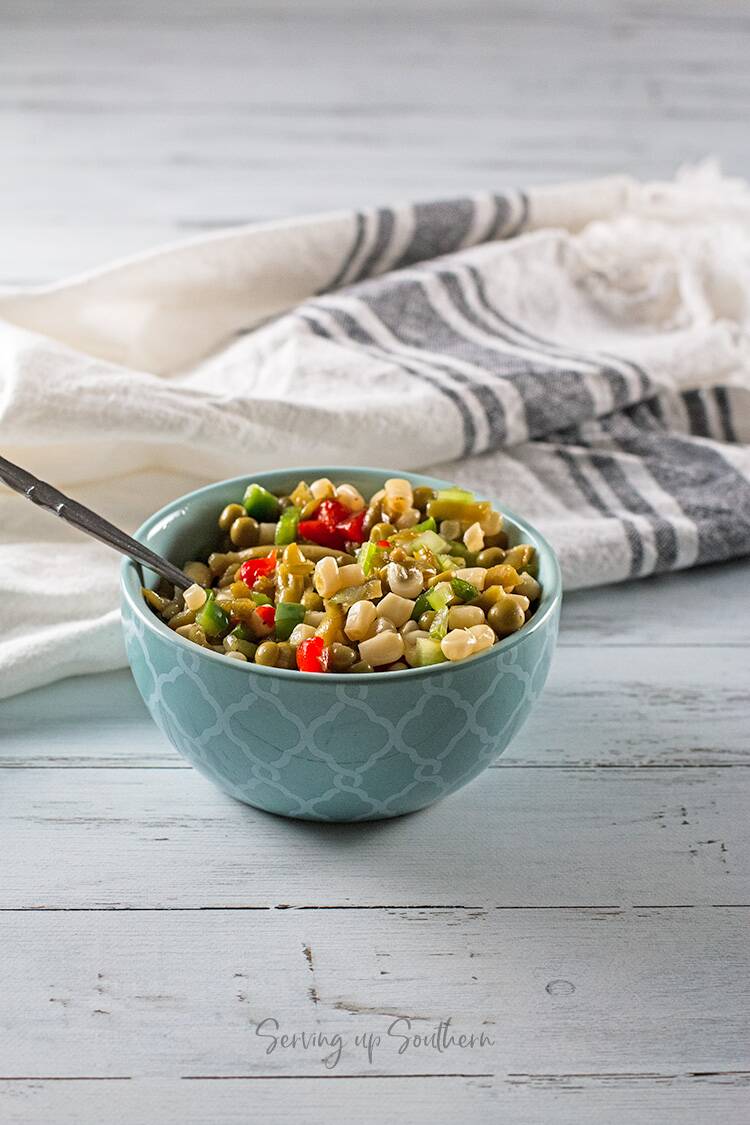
<point>330,747</point>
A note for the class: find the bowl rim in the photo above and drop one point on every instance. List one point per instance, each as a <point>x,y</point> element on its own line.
<point>551,593</point>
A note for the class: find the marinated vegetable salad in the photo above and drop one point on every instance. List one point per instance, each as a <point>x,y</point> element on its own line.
<point>324,581</point>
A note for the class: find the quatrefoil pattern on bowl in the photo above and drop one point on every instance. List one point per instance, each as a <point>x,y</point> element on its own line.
<point>324,749</point>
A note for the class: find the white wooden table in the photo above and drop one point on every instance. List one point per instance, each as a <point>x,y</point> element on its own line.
<point>585,903</point>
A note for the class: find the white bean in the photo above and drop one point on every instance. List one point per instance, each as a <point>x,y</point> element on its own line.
<point>450,529</point>
<point>350,575</point>
<point>393,606</point>
<point>382,649</point>
<point>301,633</point>
<point>408,519</point>
<point>350,497</point>
<point>398,488</point>
<point>492,523</point>
<point>484,636</point>
<point>473,574</point>
<point>458,644</point>
<point>474,537</point>
<point>464,616</point>
<point>326,577</point>
<point>360,621</point>
<point>322,488</point>
<point>195,596</point>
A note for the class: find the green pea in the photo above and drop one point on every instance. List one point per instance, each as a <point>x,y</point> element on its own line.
<point>231,513</point>
<point>267,654</point>
<point>244,532</point>
<point>506,616</point>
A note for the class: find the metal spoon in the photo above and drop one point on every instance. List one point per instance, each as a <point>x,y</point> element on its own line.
<point>43,494</point>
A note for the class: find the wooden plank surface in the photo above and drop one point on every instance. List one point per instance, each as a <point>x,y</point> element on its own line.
<point>586,902</point>
<point>123,125</point>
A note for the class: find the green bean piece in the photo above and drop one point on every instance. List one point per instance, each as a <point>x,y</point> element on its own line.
<point>342,657</point>
<point>361,667</point>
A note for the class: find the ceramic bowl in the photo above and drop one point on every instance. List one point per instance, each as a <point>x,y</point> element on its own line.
<point>330,747</point>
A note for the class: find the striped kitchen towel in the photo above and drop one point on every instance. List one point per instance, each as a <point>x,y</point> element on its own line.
<point>578,353</point>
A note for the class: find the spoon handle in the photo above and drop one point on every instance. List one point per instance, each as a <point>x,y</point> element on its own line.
<point>43,494</point>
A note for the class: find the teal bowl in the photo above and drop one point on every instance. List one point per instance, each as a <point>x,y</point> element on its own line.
<point>330,747</point>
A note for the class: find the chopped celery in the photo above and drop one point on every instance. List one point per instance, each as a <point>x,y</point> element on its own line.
<point>455,495</point>
<point>351,594</point>
<point>464,590</point>
<point>369,556</point>
<point>440,595</point>
<point>426,525</point>
<point>448,562</point>
<point>439,625</point>
<point>261,504</point>
<point>260,599</point>
<point>212,618</point>
<point>286,528</point>
<point>288,614</point>
<point>427,650</point>
<point>456,548</point>
<point>430,540</point>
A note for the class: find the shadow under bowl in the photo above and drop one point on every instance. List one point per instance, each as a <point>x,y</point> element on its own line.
<point>330,747</point>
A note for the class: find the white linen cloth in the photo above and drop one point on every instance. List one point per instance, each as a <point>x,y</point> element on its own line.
<point>579,354</point>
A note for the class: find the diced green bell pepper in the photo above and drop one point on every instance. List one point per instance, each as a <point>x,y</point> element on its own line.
<point>288,614</point>
<point>261,504</point>
<point>421,605</point>
<point>213,620</point>
<point>260,599</point>
<point>286,528</point>
<point>243,633</point>
<point>426,525</point>
<point>464,590</point>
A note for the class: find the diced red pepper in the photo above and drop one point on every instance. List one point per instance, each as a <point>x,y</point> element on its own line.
<point>317,532</point>
<point>383,543</point>
<point>352,527</point>
<point>313,655</point>
<point>252,569</point>
<point>267,614</point>
<point>332,513</point>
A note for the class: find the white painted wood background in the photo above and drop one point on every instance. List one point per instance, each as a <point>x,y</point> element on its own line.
<point>585,902</point>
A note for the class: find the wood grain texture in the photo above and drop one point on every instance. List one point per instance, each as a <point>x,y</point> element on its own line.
<point>588,899</point>
<point>514,837</point>
<point>125,125</point>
